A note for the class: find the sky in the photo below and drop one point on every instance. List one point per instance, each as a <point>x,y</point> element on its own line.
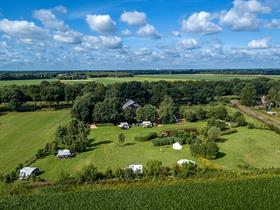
<point>139,34</point>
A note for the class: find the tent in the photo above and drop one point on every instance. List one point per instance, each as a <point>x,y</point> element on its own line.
<point>64,153</point>
<point>185,161</point>
<point>177,146</point>
<point>136,168</point>
<point>26,172</point>
<point>147,124</point>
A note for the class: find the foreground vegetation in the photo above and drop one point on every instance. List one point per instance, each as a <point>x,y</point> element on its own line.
<point>256,193</point>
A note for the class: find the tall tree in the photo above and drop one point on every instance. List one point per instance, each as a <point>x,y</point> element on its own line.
<point>166,110</point>
<point>248,95</point>
<point>147,112</point>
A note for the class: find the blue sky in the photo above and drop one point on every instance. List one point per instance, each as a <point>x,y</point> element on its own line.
<point>139,34</point>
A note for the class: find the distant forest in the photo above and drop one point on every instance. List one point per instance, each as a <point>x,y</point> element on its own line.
<point>74,75</point>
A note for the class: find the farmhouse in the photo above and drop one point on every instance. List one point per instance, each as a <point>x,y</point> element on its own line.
<point>64,153</point>
<point>136,168</point>
<point>185,161</point>
<point>177,146</point>
<point>26,172</point>
<point>130,103</point>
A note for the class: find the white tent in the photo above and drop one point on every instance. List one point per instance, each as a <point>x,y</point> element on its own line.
<point>136,168</point>
<point>177,146</point>
<point>64,153</point>
<point>147,124</point>
<point>27,172</point>
<point>185,161</point>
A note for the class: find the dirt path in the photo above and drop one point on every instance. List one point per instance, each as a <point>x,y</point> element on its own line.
<point>259,116</point>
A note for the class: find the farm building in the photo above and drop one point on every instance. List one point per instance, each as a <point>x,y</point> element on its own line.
<point>64,153</point>
<point>136,168</point>
<point>177,146</point>
<point>26,172</point>
<point>130,103</point>
<point>147,124</point>
<point>123,125</point>
<point>185,161</point>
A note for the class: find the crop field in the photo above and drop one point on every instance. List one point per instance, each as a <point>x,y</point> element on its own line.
<point>23,133</point>
<point>149,78</point>
<point>259,193</point>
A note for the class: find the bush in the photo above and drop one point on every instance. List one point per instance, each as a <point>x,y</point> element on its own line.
<point>155,169</point>
<point>190,116</point>
<point>251,126</point>
<point>89,174</point>
<point>208,150</point>
<point>186,170</point>
<point>200,114</point>
<point>239,119</point>
<point>218,112</point>
<point>171,140</point>
<point>229,131</point>
<point>128,174</point>
<point>146,137</point>
<point>217,123</point>
<point>213,133</point>
<point>119,173</point>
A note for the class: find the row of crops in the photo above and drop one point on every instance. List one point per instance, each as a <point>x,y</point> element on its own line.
<point>242,194</point>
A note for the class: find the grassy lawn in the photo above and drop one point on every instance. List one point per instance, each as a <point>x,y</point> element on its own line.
<point>22,134</point>
<point>107,152</point>
<point>149,78</point>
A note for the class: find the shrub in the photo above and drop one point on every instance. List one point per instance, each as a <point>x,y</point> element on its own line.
<point>217,123</point>
<point>207,150</point>
<point>186,170</point>
<point>213,133</point>
<point>171,140</point>
<point>88,174</point>
<point>108,173</point>
<point>200,114</point>
<point>229,131</point>
<point>128,174</point>
<point>119,173</point>
<point>190,116</point>
<point>218,112</point>
<point>146,137</point>
<point>239,119</point>
<point>251,126</point>
<point>155,168</point>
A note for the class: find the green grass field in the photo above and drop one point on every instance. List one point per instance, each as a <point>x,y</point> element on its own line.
<point>259,193</point>
<point>149,78</point>
<point>25,133</point>
<point>22,134</point>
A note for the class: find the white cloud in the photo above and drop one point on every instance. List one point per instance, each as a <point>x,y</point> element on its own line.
<point>200,23</point>
<point>60,9</point>
<point>126,32</point>
<point>258,44</point>
<point>21,28</point>
<point>101,23</point>
<point>274,23</point>
<point>176,33</point>
<point>111,42</point>
<point>134,18</point>
<point>148,31</point>
<point>49,19</point>
<point>68,37</point>
<point>243,16</point>
<point>190,44</point>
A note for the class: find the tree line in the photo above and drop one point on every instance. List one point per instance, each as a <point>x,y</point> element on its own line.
<point>111,97</point>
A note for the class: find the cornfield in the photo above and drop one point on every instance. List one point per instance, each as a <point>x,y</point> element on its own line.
<point>238,194</point>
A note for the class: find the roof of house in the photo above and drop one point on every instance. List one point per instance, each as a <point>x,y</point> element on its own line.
<point>64,152</point>
<point>129,103</point>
